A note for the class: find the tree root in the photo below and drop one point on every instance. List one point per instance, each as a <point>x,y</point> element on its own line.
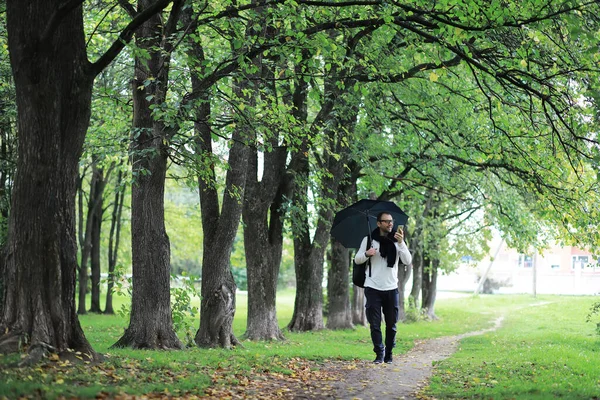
<point>37,351</point>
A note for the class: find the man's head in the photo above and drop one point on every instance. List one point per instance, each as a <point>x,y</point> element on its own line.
<point>385,222</point>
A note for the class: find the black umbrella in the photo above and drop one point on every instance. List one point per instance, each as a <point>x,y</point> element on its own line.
<point>356,221</point>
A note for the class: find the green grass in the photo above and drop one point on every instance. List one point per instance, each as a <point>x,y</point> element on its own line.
<point>540,352</point>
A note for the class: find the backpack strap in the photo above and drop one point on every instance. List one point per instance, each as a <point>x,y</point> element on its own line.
<point>369,259</point>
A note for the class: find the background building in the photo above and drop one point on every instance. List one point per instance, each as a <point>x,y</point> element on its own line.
<point>558,270</point>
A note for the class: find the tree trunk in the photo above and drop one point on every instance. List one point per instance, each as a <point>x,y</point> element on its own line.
<point>53,88</point>
<point>98,211</point>
<point>337,117</point>
<point>417,270</point>
<point>8,153</point>
<point>150,324</point>
<point>403,277</point>
<point>308,305</point>
<point>263,245</point>
<point>85,243</point>
<point>342,311</point>
<point>308,257</point>
<point>338,288</point>
<point>430,288</point>
<point>359,315</point>
<point>217,306</point>
<point>113,241</point>
<point>262,214</point>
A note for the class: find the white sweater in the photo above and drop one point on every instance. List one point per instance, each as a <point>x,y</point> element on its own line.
<point>382,277</point>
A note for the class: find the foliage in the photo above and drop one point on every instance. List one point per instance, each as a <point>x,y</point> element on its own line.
<point>182,308</point>
<point>183,225</point>
<point>122,288</point>
<point>594,311</point>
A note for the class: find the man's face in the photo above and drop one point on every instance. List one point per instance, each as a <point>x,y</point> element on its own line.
<point>385,223</point>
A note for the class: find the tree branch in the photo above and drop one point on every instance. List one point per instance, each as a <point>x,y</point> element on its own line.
<point>57,17</point>
<point>126,35</point>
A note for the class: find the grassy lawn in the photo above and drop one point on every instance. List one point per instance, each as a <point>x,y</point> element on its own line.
<point>546,351</point>
<point>541,351</point>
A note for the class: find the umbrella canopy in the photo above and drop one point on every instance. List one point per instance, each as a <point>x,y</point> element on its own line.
<point>358,220</point>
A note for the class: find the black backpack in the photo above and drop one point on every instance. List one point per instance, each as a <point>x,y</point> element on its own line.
<point>359,270</point>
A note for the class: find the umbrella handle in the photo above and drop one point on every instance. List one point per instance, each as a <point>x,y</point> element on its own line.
<point>369,225</point>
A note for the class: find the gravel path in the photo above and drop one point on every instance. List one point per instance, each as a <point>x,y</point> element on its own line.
<point>404,378</point>
<point>343,380</point>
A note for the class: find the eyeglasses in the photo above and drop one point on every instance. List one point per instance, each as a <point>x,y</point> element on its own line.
<point>387,221</point>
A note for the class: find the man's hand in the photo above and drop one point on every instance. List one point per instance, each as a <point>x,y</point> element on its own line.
<point>370,252</point>
<point>399,236</point>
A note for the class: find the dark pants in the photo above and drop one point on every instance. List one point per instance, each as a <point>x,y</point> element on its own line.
<point>378,300</point>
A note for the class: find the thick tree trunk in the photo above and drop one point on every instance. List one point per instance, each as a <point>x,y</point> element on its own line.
<point>53,96</point>
<point>338,288</point>
<point>342,311</point>
<point>263,244</point>
<point>308,305</point>
<point>430,288</point>
<point>150,324</point>
<point>263,221</point>
<point>335,119</point>
<point>217,306</point>
<point>308,257</point>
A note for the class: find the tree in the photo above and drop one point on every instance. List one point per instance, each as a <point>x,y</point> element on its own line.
<point>8,139</point>
<point>53,81</point>
<point>150,322</point>
<point>114,238</point>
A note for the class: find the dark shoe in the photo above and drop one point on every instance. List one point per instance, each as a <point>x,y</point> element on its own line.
<point>378,359</point>
<point>388,358</point>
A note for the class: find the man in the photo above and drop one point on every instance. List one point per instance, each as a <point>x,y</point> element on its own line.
<point>381,285</point>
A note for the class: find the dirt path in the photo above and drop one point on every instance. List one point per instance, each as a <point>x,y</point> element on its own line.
<point>406,376</point>
<point>361,380</point>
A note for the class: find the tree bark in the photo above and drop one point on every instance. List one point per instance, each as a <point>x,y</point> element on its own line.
<point>150,323</point>
<point>262,214</point>
<point>53,88</point>
<point>113,241</point>
<point>96,231</point>
<point>217,307</point>
<point>359,315</point>
<point>85,243</point>
<point>430,288</point>
<point>338,288</point>
<point>53,81</point>
<point>308,257</point>
<point>263,244</point>
<point>404,272</point>
<point>336,118</point>
<point>308,305</point>
<point>342,311</point>
<point>8,153</point>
